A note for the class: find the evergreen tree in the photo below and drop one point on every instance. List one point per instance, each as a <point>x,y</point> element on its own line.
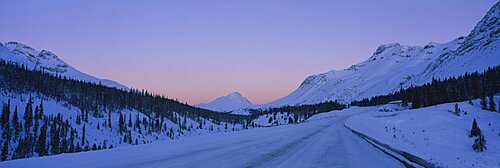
<point>36,114</point>
<point>41,148</point>
<point>483,103</point>
<point>78,119</point>
<point>109,119</point>
<point>7,131</point>
<point>5,150</point>
<point>4,119</point>
<point>28,115</point>
<point>457,110</point>
<point>54,141</point>
<point>40,110</point>
<point>137,122</point>
<point>479,144</point>
<point>404,99</point>
<point>491,103</point>
<point>86,116</point>
<point>475,131</point>
<point>36,123</point>
<point>20,151</point>
<point>83,135</point>
<point>15,123</point>
<point>130,120</point>
<point>121,123</point>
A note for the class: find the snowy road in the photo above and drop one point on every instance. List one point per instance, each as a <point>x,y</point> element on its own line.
<point>319,143</point>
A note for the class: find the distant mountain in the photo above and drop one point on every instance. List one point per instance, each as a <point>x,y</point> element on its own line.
<point>393,66</point>
<point>231,102</point>
<point>48,62</point>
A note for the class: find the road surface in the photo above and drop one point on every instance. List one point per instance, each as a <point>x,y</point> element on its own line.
<point>318,143</point>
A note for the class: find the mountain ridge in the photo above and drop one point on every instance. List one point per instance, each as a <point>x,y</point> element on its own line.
<point>48,62</point>
<point>393,66</point>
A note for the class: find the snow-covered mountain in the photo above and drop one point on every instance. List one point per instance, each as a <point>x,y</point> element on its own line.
<point>47,61</point>
<point>393,66</point>
<point>231,102</point>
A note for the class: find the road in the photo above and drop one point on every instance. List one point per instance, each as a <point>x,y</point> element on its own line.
<point>319,143</point>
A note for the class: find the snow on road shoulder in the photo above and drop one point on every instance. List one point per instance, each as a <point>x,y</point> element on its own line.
<point>435,133</point>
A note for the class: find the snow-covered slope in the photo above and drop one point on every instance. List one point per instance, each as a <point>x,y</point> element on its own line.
<point>320,143</point>
<point>395,65</point>
<point>231,102</point>
<point>47,61</point>
<point>434,133</point>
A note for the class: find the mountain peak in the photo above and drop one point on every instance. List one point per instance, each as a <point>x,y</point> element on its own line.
<point>230,102</point>
<point>235,96</point>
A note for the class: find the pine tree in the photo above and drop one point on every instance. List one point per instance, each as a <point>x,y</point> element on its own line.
<point>404,99</point>
<point>109,119</point>
<point>7,132</point>
<point>41,148</point>
<point>5,150</point>
<point>86,116</point>
<point>483,103</point>
<point>36,114</point>
<point>491,103</point>
<point>137,122</point>
<point>54,141</point>
<point>475,131</point>
<point>15,123</point>
<point>78,119</point>
<point>5,114</point>
<point>479,144</point>
<point>28,114</point>
<point>121,123</point>
<point>83,135</point>
<point>457,110</point>
<point>130,120</point>
<point>40,110</point>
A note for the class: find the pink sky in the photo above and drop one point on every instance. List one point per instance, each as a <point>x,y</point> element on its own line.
<point>199,50</point>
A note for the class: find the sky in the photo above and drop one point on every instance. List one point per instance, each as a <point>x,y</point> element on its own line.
<point>196,51</point>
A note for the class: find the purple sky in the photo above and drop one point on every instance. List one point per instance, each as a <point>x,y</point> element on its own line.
<point>199,50</point>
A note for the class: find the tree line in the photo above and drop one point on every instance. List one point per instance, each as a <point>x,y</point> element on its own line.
<point>97,99</point>
<point>306,110</point>
<point>454,89</point>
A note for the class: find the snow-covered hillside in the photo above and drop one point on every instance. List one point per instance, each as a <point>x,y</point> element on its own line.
<point>393,66</point>
<point>435,134</point>
<point>48,62</point>
<point>319,143</point>
<point>102,129</point>
<point>231,102</point>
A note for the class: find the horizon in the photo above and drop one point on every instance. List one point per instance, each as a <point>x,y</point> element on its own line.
<point>312,36</point>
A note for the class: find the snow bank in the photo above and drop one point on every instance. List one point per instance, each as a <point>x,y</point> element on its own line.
<point>435,133</point>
